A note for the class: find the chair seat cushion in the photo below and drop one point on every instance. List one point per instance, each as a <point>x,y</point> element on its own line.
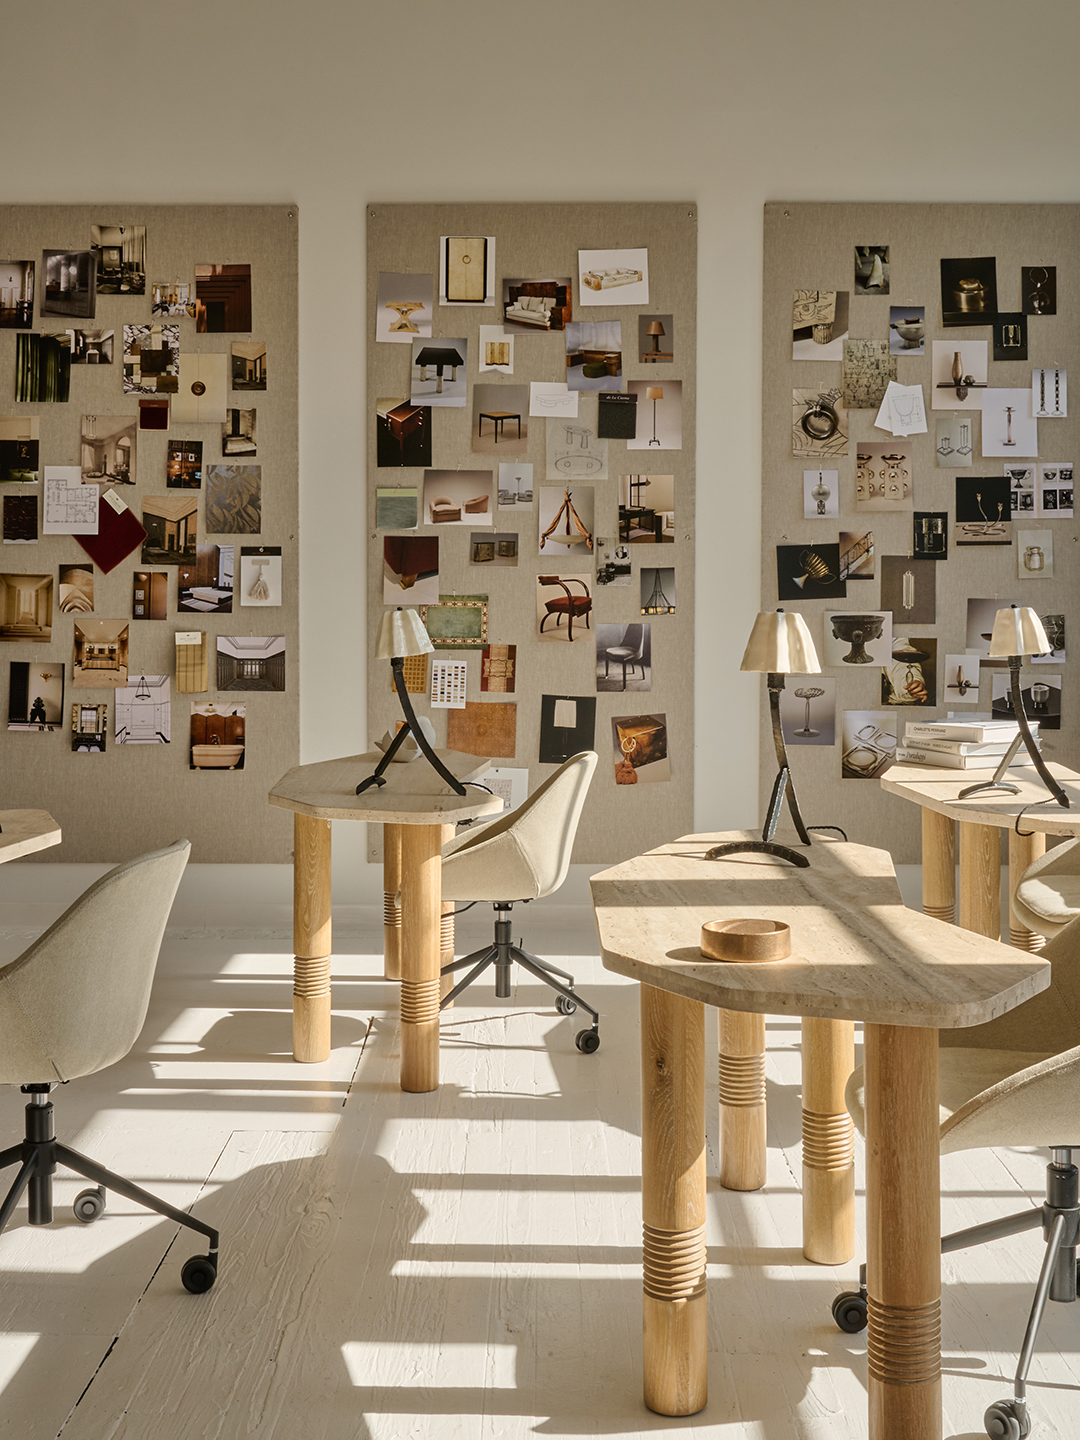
<point>1055,898</point>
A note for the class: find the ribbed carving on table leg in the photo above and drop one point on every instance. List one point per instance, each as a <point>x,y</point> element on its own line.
<point>311,977</point>
<point>391,910</point>
<point>941,912</point>
<point>446,934</point>
<point>904,1342</point>
<point>674,1263</point>
<point>828,1141</point>
<point>419,1001</point>
<point>1021,938</point>
<point>742,1079</point>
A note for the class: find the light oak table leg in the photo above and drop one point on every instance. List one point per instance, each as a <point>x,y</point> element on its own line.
<point>903,1233</point>
<point>1024,850</point>
<point>673,1201</point>
<point>828,1058</point>
<point>939,866</point>
<point>446,929</point>
<point>391,866</point>
<point>311,938</point>
<point>742,1100</point>
<point>421,913</point>
<point>980,879</point>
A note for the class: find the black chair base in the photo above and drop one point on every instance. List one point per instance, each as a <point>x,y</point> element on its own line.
<point>40,1153</point>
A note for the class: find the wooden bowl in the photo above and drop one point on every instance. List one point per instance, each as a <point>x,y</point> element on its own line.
<point>750,942</point>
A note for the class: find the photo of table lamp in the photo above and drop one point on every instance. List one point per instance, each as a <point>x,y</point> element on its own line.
<point>654,393</point>
<point>779,645</point>
<point>401,635</point>
<point>1018,632</point>
<point>655,330</point>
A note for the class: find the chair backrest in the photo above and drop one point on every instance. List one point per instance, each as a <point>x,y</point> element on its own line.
<point>634,640</point>
<point>75,1000</point>
<point>525,854</point>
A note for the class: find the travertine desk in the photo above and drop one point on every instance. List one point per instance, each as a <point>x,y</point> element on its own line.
<point>980,818</point>
<point>24,831</point>
<point>858,953</point>
<point>415,799</point>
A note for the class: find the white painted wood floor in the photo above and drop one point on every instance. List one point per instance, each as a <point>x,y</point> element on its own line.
<point>464,1263</point>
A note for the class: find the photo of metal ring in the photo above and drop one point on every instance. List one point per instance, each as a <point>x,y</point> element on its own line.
<point>820,421</point>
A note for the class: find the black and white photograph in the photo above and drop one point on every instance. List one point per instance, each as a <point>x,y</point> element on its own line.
<point>184,465</point>
<point>70,283</point>
<point>930,534</point>
<point>857,555</point>
<point>204,586</point>
<point>564,607</point>
<point>624,657</point>
<point>108,449</point>
<point>19,449</point>
<point>222,299</point>
<point>496,353</point>
<point>1056,490</point>
<point>574,448</point>
<point>248,364</point>
<point>1009,427</point>
<point>499,549</point>
<point>402,433</point>
<point>467,270</point>
<point>821,494</point>
<point>819,424</point>
<point>647,509</point>
<point>151,359</point>
<point>819,324</point>
<point>515,486</point>
<point>92,347</point>
<point>172,297</point>
<point>659,415</point>
<point>883,475</point>
<point>403,307</point>
<point>656,339</point>
<point>954,441</point>
<point>658,592</point>
<point>458,497</point>
<point>410,570</point>
<point>1041,697</point>
<point>42,367</point>
<point>808,709</point>
<point>16,294</point>
<point>907,329</point>
<point>233,499</point>
<point>983,512</point>
<point>260,575</point>
<point>251,662</point>
<point>910,677</point>
<point>1049,392</point>
<point>866,371</point>
<point>1038,289</point>
<point>593,354</point>
<point>958,375</point>
<point>36,696</point>
<point>868,747</point>
<point>217,738</point>
<point>613,564</point>
<point>613,277</point>
<point>500,419</point>
<point>872,270</point>
<point>437,374</point>
<point>981,615</point>
<point>20,519</point>
<point>1034,553</point>
<point>640,749</point>
<point>89,729</point>
<point>567,726</point>
<point>143,711</point>
<point>909,589</point>
<point>1010,336</point>
<point>960,680</point>
<point>809,572</point>
<point>968,291</point>
<point>856,637</point>
<point>1054,625</point>
<point>565,519</point>
<point>99,653</point>
<point>76,593</point>
<point>532,305</point>
<point>171,523</point>
<point>120,253</point>
<point>238,434</point>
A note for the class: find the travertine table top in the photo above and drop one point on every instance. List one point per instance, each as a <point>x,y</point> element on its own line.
<point>25,831</point>
<point>939,789</point>
<point>413,794</point>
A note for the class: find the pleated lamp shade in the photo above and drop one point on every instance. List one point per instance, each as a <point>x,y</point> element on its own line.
<point>1018,631</point>
<point>780,643</point>
<point>401,632</point>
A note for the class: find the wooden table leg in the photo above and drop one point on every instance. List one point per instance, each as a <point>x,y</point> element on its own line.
<point>980,879</point>
<point>673,1201</point>
<point>939,866</point>
<point>828,1058</point>
<point>311,938</point>
<point>421,905</point>
<point>1024,850</point>
<point>391,867</point>
<point>446,930</point>
<point>742,1100</point>
<point>903,1233</point>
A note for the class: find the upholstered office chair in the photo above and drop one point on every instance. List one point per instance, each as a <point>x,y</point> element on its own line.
<point>74,1003</point>
<point>1014,1081</point>
<point>522,856</point>
<point>1047,897</point>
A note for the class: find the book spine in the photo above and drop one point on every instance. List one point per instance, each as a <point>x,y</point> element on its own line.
<point>987,734</point>
<point>956,762</point>
<point>960,747</point>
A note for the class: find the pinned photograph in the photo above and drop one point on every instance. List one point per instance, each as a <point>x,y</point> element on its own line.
<point>819,324</point>
<point>151,359</point>
<point>1054,625</point>
<point>1050,393</point>
<point>865,373</point>
<point>640,744</point>
<point>515,486</point>
<point>499,549</point>
<point>70,283</point>
<point>457,622</point>
<point>173,297</point>
<point>856,637</point>
<point>249,364</point>
<point>910,678</point>
<point>251,662</point>
<point>871,269</point>
<point>403,307</point>
<point>437,375</point>
<point>536,304</point>
<point>808,709</point>
<point>981,615</point>
<point>410,570</point>
<point>868,747</point>
<point>233,499</point>
<point>821,494</point>
<point>201,397</point>
<point>656,339</point>
<point>397,507</point>
<point>402,433</point>
<point>564,607</point>
<point>16,294</point>
<point>216,737</point>
<point>92,347</point>
<point>659,415</point>
<point>184,465</point>
<point>647,509</point>
<point>498,667</point>
<point>260,575</point>
<point>222,299</point>
<point>954,441</point>
<point>36,696</point>
<point>1010,336</point>
<point>466,269</point>
<point>43,367</point>
<point>19,453</point>
<point>613,566</point>
<point>121,258</point>
<point>144,712</point>
<point>150,595</point>
<point>819,424</point>
<point>624,657</point>
<point>983,511</point>
<point>205,585</point>
<point>500,419</point>
<point>883,475</point>
<point>89,729</point>
<point>238,434</point>
<point>108,449</point>
<point>907,329</point>
<point>567,726</point>
<point>565,519</point>
<point>593,354</point>
<point>1034,554</point>
<point>76,593</point>
<point>71,508</point>
<point>909,589</point>
<point>856,555</point>
<point>658,594</point>
<point>969,291</point>
<point>20,519</point>
<point>26,603</point>
<point>171,523</point>
<point>930,534</point>
<point>961,680</point>
<point>496,350</point>
<point>958,374</point>
<point>1041,699</point>
<point>574,448</point>
<point>458,497</point>
<point>1038,289</point>
<point>613,277</point>
<point>1056,490</point>
<point>100,653</point>
<point>1008,426</point>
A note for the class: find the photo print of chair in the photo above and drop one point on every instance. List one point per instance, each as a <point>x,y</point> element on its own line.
<point>443,511</point>
<point>108,448</point>
<point>537,304</point>
<point>458,497</point>
<point>568,605</point>
<point>627,648</point>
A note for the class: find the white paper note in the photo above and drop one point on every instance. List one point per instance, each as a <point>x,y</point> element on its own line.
<point>550,398</point>
<point>448,679</point>
<point>71,508</point>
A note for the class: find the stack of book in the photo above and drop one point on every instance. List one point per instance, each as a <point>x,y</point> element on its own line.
<point>972,743</point>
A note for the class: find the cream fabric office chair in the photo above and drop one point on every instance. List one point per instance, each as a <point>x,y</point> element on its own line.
<point>522,856</point>
<point>1048,895</point>
<point>1014,1081</point>
<point>74,1003</point>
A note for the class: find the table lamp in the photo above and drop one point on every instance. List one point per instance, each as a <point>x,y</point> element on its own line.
<point>1018,632</point>
<point>779,645</point>
<point>654,393</point>
<point>655,329</point>
<point>402,634</point>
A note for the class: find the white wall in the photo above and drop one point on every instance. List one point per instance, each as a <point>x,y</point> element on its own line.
<point>352,102</point>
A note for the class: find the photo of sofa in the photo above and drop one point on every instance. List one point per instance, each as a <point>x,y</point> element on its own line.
<point>540,304</point>
<point>608,279</point>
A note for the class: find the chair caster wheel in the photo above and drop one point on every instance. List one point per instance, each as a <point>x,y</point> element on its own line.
<point>849,1311</point>
<point>587,1041</point>
<point>1006,1420</point>
<point>89,1205</point>
<point>564,1006</point>
<point>198,1274</point>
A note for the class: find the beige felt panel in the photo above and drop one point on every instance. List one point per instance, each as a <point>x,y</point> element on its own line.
<point>812,246</point>
<point>136,797</point>
<point>540,241</point>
